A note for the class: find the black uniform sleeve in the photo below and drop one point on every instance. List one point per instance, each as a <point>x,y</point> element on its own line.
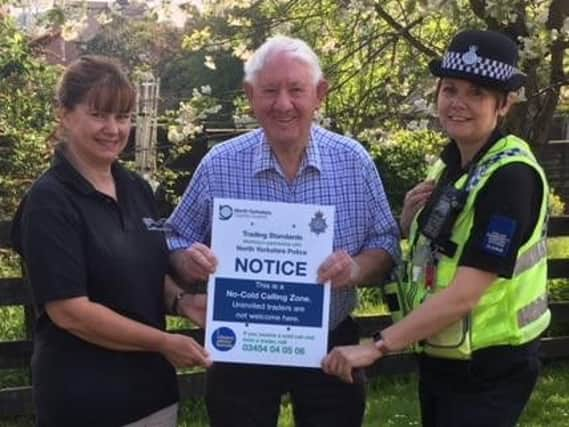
<point>50,241</point>
<point>505,215</point>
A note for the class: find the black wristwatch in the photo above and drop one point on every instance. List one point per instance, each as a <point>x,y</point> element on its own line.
<point>380,344</point>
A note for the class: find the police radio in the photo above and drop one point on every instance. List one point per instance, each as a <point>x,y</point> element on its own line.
<point>444,212</point>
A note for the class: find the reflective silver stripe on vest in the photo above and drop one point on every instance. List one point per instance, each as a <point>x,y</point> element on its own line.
<point>532,311</point>
<point>533,256</point>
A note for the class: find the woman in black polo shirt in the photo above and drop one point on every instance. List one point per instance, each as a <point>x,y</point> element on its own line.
<point>97,268</point>
<point>475,289</point>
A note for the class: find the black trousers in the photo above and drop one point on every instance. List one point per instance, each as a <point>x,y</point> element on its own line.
<point>489,391</point>
<point>241,395</point>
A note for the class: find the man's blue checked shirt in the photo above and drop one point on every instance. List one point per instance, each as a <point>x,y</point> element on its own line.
<point>335,171</point>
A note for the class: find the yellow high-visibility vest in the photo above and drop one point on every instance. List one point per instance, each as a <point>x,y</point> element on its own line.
<point>511,311</point>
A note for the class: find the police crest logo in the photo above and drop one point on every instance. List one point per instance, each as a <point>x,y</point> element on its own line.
<point>318,223</point>
<point>470,57</point>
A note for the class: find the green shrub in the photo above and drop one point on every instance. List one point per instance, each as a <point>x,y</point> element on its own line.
<point>558,247</point>
<point>26,117</point>
<point>403,160</point>
<point>559,290</point>
<point>556,205</point>
<point>9,264</point>
<point>11,323</point>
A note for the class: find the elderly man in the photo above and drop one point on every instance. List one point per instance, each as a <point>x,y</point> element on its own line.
<point>290,159</point>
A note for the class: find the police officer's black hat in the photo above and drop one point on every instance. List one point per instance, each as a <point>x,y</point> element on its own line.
<point>487,58</point>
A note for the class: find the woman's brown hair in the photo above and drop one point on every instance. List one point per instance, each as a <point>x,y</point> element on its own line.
<point>98,81</point>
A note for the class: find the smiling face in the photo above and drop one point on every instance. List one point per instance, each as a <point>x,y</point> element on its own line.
<point>94,136</point>
<point>468,112</point>
<point>95,100</point>
<point>284,97</point>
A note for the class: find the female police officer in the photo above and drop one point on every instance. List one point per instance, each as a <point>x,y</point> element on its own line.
<point>97,268</point>
<point>475,291</point>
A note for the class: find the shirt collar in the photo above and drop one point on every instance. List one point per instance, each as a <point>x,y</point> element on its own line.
<point>451,155</point>
<point>68,175</point>
<point>265,159</point>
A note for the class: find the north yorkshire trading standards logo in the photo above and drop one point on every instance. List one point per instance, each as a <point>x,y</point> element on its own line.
<point>318,223</point>
<point>225,212</point>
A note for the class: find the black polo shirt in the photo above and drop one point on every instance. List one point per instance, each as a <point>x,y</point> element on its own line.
<point>75,242</point>
<point>513,193</point>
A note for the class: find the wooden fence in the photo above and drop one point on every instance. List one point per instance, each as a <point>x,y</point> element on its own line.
<point>16,401</point>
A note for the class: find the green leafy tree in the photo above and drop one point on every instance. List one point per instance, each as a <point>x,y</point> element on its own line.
<point>403,159</point>
<point>376,53</point>
<point>26,118</point>
<point>148,44</point>
<point>376,56</point>
<point>140,44</point>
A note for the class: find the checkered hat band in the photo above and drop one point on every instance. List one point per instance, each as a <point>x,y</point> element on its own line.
<point>484,67</point>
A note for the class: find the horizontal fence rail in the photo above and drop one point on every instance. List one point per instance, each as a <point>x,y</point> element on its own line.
<point>16,401</point>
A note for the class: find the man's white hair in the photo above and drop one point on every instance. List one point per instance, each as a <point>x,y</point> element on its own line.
<point>296,48</point>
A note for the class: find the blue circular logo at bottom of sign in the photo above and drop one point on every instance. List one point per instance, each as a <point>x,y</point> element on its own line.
<point>223,339</point>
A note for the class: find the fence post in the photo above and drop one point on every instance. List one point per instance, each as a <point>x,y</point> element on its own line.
<point>29,316</point>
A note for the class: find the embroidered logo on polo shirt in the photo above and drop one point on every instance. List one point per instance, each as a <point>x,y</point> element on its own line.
<point>155,224</point>
<point>499,235</point>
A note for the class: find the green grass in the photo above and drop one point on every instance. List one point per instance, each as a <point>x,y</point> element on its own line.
<point>549,405</point>
<point>392,401</point>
